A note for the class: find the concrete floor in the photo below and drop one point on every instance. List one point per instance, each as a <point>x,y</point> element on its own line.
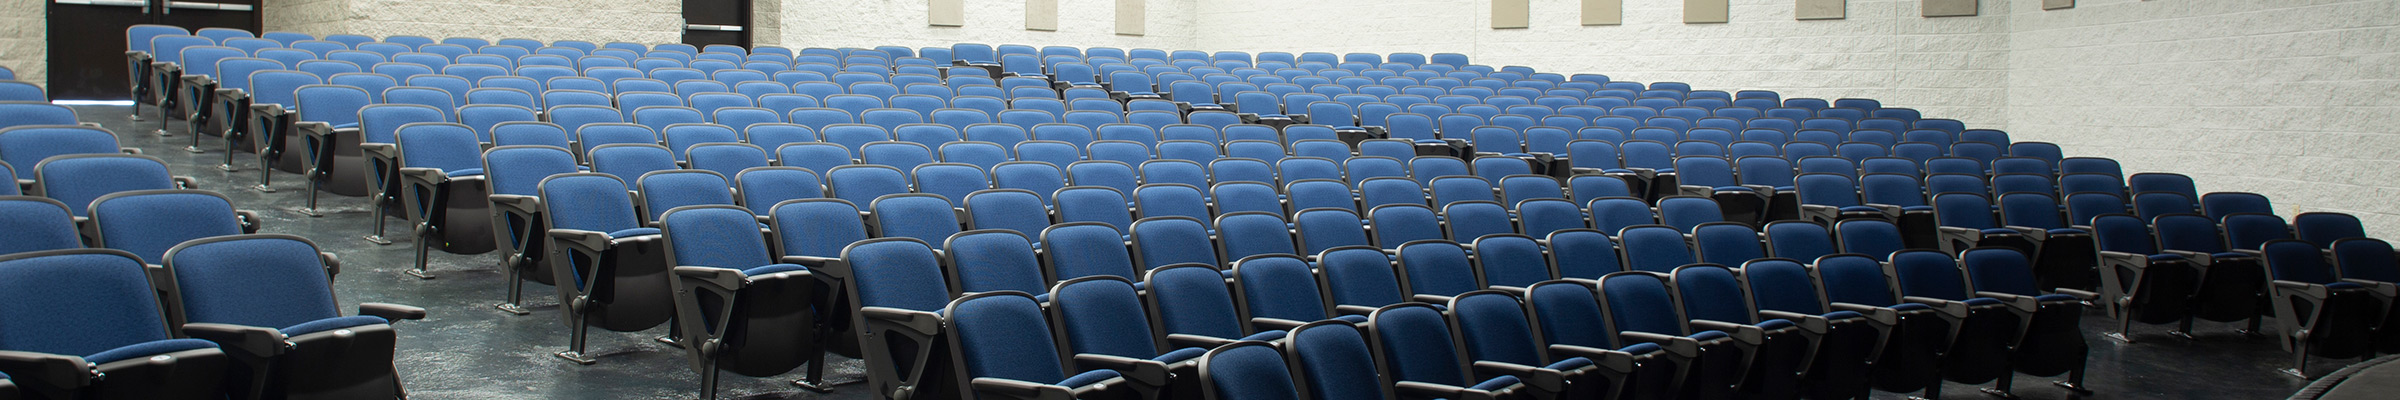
<point>465,349</point>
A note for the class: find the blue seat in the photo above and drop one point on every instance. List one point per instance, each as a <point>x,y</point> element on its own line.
<point>2052,343</point>
<point>1640,308</point>
<point>1980,349</point>
<point>273,283</point>
<point>1419,353</point>
<point>2308,297</point>
<point>1002,344</point>
<point>78,180</point>
<point>613,271</point>
<point>113,327</point>
<point>723,260</point>
<point>922,216</point>
<point>1786,290</point>
<point>1106,329</point>
<point>444,190</point>
<point>1195,308</point>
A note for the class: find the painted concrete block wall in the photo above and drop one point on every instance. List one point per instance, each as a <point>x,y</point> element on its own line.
<point>643,21</point>
<point>24,40</point>
<point>2294,99</point>
<point>1081,23</point>
<point>1947,67</point>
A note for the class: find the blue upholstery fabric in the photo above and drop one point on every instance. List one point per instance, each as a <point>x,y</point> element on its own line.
<point>25,147</point>
<point>1728,244</point>
<point>148,224</point>
<point>1015,210</point>
<point>444,147</point>
<point>1167,241</point>
<point>1640,303</point>
<point>1103,316</point>
<point>81,303</point>
<point>1711,293</point>
<point>664,191</point>
<point>1417,346</point>
<point>994,261</point>
<point>147,349</point>
<point>897,274</point>
<point>1282,287</point>
<point>1194,301</point>
<point>922,217</point>
<point>1511,260</point>
<point>1079,250</point>
<point>1323,229</point>
<point>1361,277</point>
<point>269,282</point>
<point>720,237</point>
<point>329,324</point>
<point>1007,337</point>
<point>1437,268</point>
<point>2000,270</point>
<point>591,202</point>
<point>1494,328</point>
<point>1929,274</point>
<point>1782,285</point>
<point>77,181</point>
<point>1335,362</point>
<point>1247,234</point>
<point>2297,261</point>
<point>1502,382</point>
<point>1250,373</point>
<point>35,225</point>
<point>1655,249</point>
<point>1405,223</point>
<point>1874,238</point>
<point>520,170</point>
<point>1092,204</point>
<point>1089,377</point>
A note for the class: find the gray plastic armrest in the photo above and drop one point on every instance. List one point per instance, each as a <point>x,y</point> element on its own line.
<point>1618,361</point>
<point>1678,346</point>
<point>1433,390</point>
<point>920,322</point>
<point>1179,340</point>
<point>1951,308</point>
<point>580,240</point>
<point>1541,379</point>
<point>391,312</point>
<point>1275,324</point>
<point>1353,309</point>
<point>1017,389</point>
<point>1746,334</point>
<point>257,341</point>
<point>2020,304</point>
<point>2380,289</point>
<point>1140,371</point>
<point>56,370</point>
<point>1881,316</point>
<point>726,279</point>
<point>1813,325</point>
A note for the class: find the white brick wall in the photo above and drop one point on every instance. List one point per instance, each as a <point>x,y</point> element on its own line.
<point>24,36</point>
<point>1947,67</point>
<point>1081,23</point>
<point>643,21</point>
<point>2289,98</point>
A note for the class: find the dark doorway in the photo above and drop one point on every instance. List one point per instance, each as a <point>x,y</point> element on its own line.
<point>707,22</point>
<point>87,38</point>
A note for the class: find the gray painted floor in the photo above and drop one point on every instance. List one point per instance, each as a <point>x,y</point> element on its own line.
<point>465,349</point>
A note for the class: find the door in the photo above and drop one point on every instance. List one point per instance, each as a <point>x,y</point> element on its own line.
<point>707,22</point>
<point>87,38</point>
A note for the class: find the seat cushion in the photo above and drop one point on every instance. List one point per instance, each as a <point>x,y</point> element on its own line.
<point>1999,231</point>
<point>2067,231</point>
<point>1982,301</point>
<point>1643,348</point>
<point>147,349</point>
<point>2165,257</point>
<point>1843,315</point>
<point>1089,378</point>
<point>332,324</point>
<point>1916,208</point>
<point>1355,319</point>
<point>1860,209</point>
<point>772,269</point>
<point>464,172</point>
<point>1267,336</point>
<point>2056,297</point>
<point>1497,383</point>
<point>1570,364</point>
<point>1708,335</point>
<point>1774,324</point>
<point>2344,285</point>
<point>633,232</point>
<point>1910,307</point>
<point>1179,355</point>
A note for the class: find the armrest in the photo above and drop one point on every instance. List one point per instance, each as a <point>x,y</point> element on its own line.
<point>422,176</point>
<point>1618,361</point>
<point>333,264</point>
<point>269,110</point>
<point>726,279</point>
<point>1275,324</point>
<point>1409,389</point>
<point>1678,346</point>
<point>1814,325</point>
<point>2080,294</point>
<point>517,204</point>
<point>1882,316</point>
<point>2118,259</point>
<point>391,312</point>
<point>248,219</point>
<point>257,341</point>
<point>386,151</point>
<point>2019,303</point>
<point>2198,257</point>
<point>920,322</point>
<point>1145,372</point>
<point>1430,298</point>
<point>2314,292</point>
<point>57,370</point>
<point>1353,309</point>
<point>1541,379</point>
<point>580,240</point>
<point>2379,289</point>
<point>227,94</point>
<point>1019,389</point>
<point>2037,234</point>
<point>1177,340</point>
<point>830,266</point>
<point>1750,335</point>
<point>1953,309</point>
<point>199,80</point>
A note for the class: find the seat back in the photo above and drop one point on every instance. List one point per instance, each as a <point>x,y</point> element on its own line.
<point>1169,240</point>
<point>1856,279</point>
<point>1002,335</point>
<point>1932,274</point>
<point>1335,363</point>
<point>1416,345</point>
<point>272,281</point>
<point>1080,249</point>
<point>1279,286</point>
<point>36,224</point>
<point>149,222</point>
<point>78,180</point>
<point>1438,268</point>
<point>1781,284</point>
<point>113,303</point>
<point>1192,299</point>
